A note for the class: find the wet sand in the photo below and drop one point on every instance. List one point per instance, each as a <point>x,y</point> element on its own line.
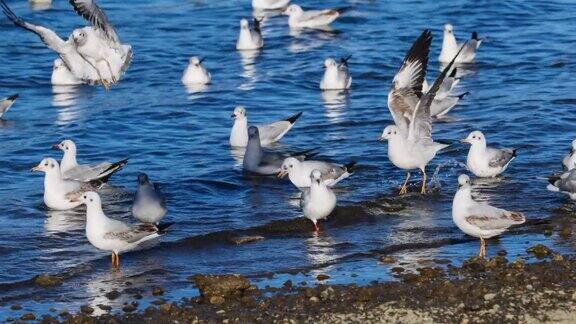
<point>495,290</point>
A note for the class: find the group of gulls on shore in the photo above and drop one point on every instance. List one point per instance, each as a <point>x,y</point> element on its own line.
<point>94,55</point>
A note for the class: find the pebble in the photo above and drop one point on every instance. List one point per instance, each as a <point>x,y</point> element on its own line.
<point>28,317</point>
<point>86,309</point>
<point>157,291</point>
<point>489,297</point>
<point>112,294</point>
<point>314,299</point>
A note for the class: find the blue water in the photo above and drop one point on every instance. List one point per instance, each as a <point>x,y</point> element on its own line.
<point>522,95</point>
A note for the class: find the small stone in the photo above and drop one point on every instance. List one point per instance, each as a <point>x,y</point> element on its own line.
<point>557,257</point>
<point>46,280</point>
<point>364,295</point>
<point>574,296</point>
<point>566,232</point>
<point>540,251</point>
<point>129,308</point>
<point>288,284</point>
<point>86,309</point>
<point>159,302</point>
<point>157,291</point>
<point>105,307</point>
<point>327,294</point>
<point>28,317</point>
<point>217,300</point>
<point>165,308</point>
<point>220,312</point>
<point>322,277</point>
<point>387,259</point>
<point>15,307</point>
<point>529,287</point>
<point>489,297</point>
<point>111,295</point>
<point>314,299</point>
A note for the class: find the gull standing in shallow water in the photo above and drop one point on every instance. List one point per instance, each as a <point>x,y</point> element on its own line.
<point>484,161</point>
<point>298,18</point>
<point>564,182</point>
<point>299,172</point>
<point>85,173</point>
<point>250,39</point>
<point>336,76</point>
<point>6,103</point>
<point>479,219</point>
<point>450,47</point>
<point>57,191</point>
<point>318,201</point>
<point>269,133</point>
<point>261,162</point>
<point>149,205</point>
<point>410,143</point>
<point>269,4</point>
<point>569,161</point>
<point>112,235</point>
<point>195,73</point>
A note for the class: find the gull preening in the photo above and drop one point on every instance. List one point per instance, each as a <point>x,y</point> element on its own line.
<point>258,161</point>
<point>299,171</point>
<point>318,201</point>
<point>569,161</point>
<point>93,54</point>
<point>298,18</point>
<point>478,219</point>
<point>6,103</point>
<point>61,74</point>
<point>450,47</point>
<point>336,75</point>
<point>195,73</point>
<point>71,170</point>
<point>269,4</point>
<point>57,191</point>
<point>250,38</point>
<point>444,100</point>
<point>269,133</point>
<point>149,204</point>
<point>485,161</point>
<point>113,235</point>
<point>410,143</point>
<point>564,182</point>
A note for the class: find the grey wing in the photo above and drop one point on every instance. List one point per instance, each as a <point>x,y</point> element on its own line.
<point>86,173</point>
<point>90,11</point>
<point>133,235</point>
<point>406,86</point>
<point>273,132</point>
<point>491,218</point>
<point>500,157</point>
<point>50,38</point>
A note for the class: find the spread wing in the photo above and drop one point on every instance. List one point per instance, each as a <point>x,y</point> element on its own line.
<point>90,11</point>
<point>49,37</point>
<point>407,83</point>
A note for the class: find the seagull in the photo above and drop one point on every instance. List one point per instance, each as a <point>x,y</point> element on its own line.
<point>269,133</point>
<point>149,205</point>
<point>445,100</point>
<point>70,169</point>
<point>67,49</point>
<point>450,47</point>
<point>269,4</point>
<point>250,39</point>
<point>6,103</point>
<point>318,201</point>
<point>569,161</point>
<point>61,75</point>
<point>336,76</point>
<point>57,191</point>
<point>479,219</point>
<point>299,171</point>
<point>262,162</point>
<point>410,143</point>
<point>298,18</point>
<point>195,73</point>
<point>486,162</point>
<point>113,235</point>
<point>564,182</point>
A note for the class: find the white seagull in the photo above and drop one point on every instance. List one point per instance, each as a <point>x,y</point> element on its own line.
<point>479,219</point>
<point>450,47</point>
<point>195,73</point>
<point>6,103</point>
<point>569,161</point>
<point>113,235</point>
<point>318,201</point>
<point>250,39</point>
<point>299,171</point>
<point>57,191</point>
<point>269,133</point>
<point>298,18</point>
<point>61,74</point>
<point>336,75</point>
<point>71,170</point>
<point>269,4</point>
<point>564,182</point>
<point>410,143</point>
<point>484,161</point>
<point>445,100</point>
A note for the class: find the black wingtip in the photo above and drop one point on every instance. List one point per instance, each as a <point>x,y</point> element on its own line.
<point>292,119</point>
<point>350,167</point>
<point>453,73</point>
<point>553,178</point>
<point>163,226</point>
<point>115,167</point>
<point>475,36</point>
<point>460,96</point>
<point>420,51</point>
<point>12,97</point>
<point>343,9</point>
<point>344,60</point>
<point>514,152</point>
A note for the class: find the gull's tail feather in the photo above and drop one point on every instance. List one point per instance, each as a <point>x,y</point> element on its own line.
<point>292,119</point>
<point>115,167</point>
<point>475,36</point>
<point>12,97</point>
<point>350,167</point>
<point>162,227</point>
<point>344,60</point>
<point>343,9</point>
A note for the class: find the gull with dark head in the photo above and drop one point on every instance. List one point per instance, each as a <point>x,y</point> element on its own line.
<point>149,204</point>
<point>564,182</point>
<point>318,201</point>
<point>195,73</point>
<point>450,47</point>
<point>478,219</point>
<point>485,161</point>
<point>336,75</point>
<point>250,39</point>
<point>71,170</point>
<point>299,171</point>
<point>6,103</point>
<point>298,18</point>
<point>269,133</point>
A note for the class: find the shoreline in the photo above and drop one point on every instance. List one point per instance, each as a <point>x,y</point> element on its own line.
<point>492,290</point>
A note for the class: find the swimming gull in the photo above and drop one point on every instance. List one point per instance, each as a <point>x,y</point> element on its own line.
<point>270,4</point>
<point>299,171</point>
<point>6,103</point>
<point>336,75</point>
<point>478,219</point>
<point>564,182</point>
<point>450,47</point>
<point>113,235</point>
<point>269,133</point>
<point>298,18</point>
<point>250,39</point>
<point>149,205</point>
<point>318,201</point>
<point>195,73</point>
<point>569,161</point>
<point>71,170</point>
<point>485,161</point>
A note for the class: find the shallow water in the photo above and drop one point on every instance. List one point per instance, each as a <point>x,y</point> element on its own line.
<point>521,96</point>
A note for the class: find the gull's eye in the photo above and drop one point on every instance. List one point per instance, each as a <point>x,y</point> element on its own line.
<point>394,132</point>
<point>46,164</point>
<point>389,133</point>
<point>91,200</point>
<point>291,166</point>
<point>66,148</point>
<point>84,196</point>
